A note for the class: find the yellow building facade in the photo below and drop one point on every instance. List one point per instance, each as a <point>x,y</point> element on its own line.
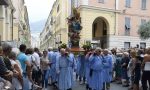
<point>6,20</point>
<point>14,23</point>
<point>55,31</point>
<point>105,24</point>
<point>97,24</point>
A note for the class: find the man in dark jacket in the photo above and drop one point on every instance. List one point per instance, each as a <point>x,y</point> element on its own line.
<point>124,65</point>
<point>4,72</point>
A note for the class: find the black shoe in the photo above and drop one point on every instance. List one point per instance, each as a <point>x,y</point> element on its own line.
<point>126,85</point>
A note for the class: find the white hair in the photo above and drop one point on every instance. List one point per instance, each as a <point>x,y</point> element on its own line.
<point>16,50</point>
<point>126,53</point>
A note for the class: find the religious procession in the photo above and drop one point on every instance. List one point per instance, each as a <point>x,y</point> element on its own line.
<point>32,69</point>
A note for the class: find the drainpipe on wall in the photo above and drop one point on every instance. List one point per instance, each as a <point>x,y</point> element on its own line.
<point>116,7</point>
<point>12,23</point>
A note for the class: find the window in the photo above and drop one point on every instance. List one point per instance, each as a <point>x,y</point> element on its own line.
<point>142,45</point>
<point>101,1</point>
<point>58,8</point>
<point>143,6</point>
<point>127,26</point>
<point>126,45</point>
<point>51,21</point>
<point>143,21</point>
<point>128,3</point>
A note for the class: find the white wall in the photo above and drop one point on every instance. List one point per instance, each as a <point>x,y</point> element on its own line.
<point>118,41</point>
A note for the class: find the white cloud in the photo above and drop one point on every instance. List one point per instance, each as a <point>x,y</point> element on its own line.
<point>38,9</point>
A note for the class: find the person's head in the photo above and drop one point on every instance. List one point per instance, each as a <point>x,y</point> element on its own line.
<point>68,50</point>
<point>6,49</point>
<point>29,51</point>
<point>62,51</point>
<point>12,56</point>
<point>113,51</point>
<point>1,50</point>
<point>148,50</point>
<point>23,48</point>
<point>126,54</point>
<point>50,49</point>
<point>36,50</point>
<point>98,51</point>
<point>105,52</point>
<point>16,50</point>
<point>44,53</point>
<point>133,53</point>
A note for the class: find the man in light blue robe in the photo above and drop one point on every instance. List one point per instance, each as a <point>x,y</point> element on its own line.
<point>54,75</point>
<point>50,53</point>
<point>62,69</point>
<point>72,65</point>
<point>78,65</point>
<point>82,69</point>
<point>107,69</point>
<point>87,69</point>
<point>96,66</point>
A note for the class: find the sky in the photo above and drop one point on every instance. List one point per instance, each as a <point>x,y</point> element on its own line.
<point>38,9</point>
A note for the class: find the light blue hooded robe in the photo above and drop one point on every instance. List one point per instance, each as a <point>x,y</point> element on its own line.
<point>63,71</point>
<point>96,81</point>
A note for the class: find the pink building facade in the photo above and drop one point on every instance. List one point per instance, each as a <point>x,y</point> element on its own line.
<point>120,18</point>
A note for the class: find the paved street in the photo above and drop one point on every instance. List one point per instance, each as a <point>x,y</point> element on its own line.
<point>82,87</point>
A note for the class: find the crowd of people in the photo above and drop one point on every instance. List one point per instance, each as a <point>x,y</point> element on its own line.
<point>30,69</point>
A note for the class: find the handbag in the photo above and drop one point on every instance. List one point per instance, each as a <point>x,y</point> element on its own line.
<point>33,64</point>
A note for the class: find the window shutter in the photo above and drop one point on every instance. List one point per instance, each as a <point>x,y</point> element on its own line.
<point>128,3</point>
<point>101,1</point>
<point>143,4</point>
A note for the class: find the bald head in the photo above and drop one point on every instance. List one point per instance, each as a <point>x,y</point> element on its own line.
<point>62,51</point>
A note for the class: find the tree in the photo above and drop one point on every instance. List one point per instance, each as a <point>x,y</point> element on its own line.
<point>144,30</point>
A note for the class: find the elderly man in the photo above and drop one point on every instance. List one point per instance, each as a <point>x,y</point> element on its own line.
<point>107,68</point>
<point>72,64</point>
<point>96,67</point>
<point>62,69</point>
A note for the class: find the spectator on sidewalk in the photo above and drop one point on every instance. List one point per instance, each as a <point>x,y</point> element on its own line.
<point>4,72</point>
<point>146,70</point>
<point>45,70</point>
<point>124,65</point>
<point>17,81</point>
<point>25,66</point>
<point>36,71</point>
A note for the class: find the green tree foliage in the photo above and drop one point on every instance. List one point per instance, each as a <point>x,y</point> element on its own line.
<point>144,30</point>
<point>63,45</point>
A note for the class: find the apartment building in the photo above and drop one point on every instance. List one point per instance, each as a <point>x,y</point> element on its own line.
<point>106,23</point>
<point>6,20</point>
<point>14,23</point>
<point>55,31</point>
<point>113,23</point>
<point>21,27</point>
